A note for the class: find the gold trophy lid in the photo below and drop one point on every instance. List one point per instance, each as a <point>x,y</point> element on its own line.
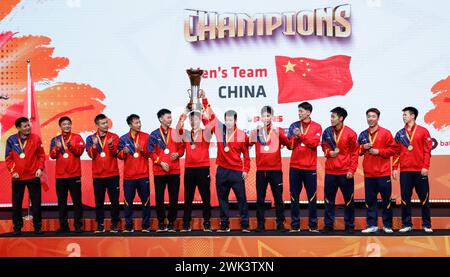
<point>195,76</point>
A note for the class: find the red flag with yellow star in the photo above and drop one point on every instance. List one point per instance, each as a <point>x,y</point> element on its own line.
<point>301,79</point>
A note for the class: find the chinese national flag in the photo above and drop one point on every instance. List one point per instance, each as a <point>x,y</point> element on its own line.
<point>301,79</point>
<point>30,111</point>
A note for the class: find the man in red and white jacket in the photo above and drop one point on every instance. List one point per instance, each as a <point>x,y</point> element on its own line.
<point>340,147</point>
<point>268,141</point>
<point>232,170</point>
<point>25,159</point>
<point>102,148</point>
<point>303,165</point>
<point>67,149</point>
<point>377,146</point>
<point>413,157</point>
<point>133,151</point>
<point>166,149</point>
<point>196,173</point>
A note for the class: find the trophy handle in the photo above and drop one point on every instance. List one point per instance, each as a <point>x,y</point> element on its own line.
<point>189,91</point>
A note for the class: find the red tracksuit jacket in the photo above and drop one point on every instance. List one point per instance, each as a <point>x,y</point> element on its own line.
<point>197,150</point>
<point>347,159</point>
<point>304,154</point>
<point>103,167</point>
<point>134,168</point>
<point>271,159</point>
<point>238,145</point>
<point>156,147</point>
<point>34,156</point>
<point>377,165</point>
<point>71,166</point>
<point>420,155</point>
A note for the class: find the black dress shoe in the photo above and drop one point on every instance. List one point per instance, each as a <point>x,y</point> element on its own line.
<point>38,231</point>
<point>349,230</point>
<point>327,230</point>
<point>78,230</point>
<point>280,227</point>
<point>64,230</point>
<point>17,232</point>
<point>260,228</point>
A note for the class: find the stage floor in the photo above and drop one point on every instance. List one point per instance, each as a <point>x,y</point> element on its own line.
<point>233,244</point>
<point>440,219</point>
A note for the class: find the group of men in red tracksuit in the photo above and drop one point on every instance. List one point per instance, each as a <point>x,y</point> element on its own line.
<point>410,151</point>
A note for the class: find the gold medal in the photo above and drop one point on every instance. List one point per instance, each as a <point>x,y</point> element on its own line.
<point>22,147</point>
<point>63,142</point>
<point>338,138</point>
<point>166,139</point>
<point>102,144</point>
<point>136,143</point>
<point>266,139</point>
<point>227,140</point>
<point>193,138</point>
<point>410,138</point>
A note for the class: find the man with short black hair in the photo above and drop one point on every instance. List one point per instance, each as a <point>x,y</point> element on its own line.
<point>133,151</point>
<point>166,150</point>
<point>413,157</point>
<point>232,170</point>
<point>377,146</point>
<point>102,148</point>
<point>268,140</point>
<point>25,160</point>
<point>340,147</point>
<point>303,166</point>
<point>67,149</point>
<point>196,166</point>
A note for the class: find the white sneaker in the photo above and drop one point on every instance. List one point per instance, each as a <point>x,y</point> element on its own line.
<point>428,229</point>
<point>388,230</point>
<point>406,229</point>
<point>369,230</point>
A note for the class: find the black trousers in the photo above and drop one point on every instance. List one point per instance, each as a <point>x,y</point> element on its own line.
<point>172,182</point>
<point>18,190</point>
<point>227,180</point>
<point>112,186</point>
<point>63,187</point>
<point>275,179</point>
<point>414,180</point>
<point>197,177</point>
